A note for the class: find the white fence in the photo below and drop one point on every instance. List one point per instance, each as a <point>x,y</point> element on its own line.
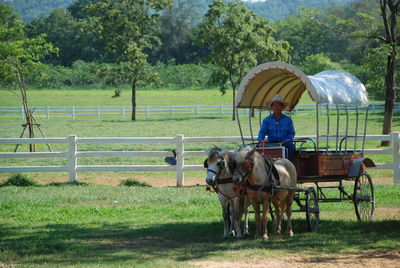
<point>147,111</point>
<point>179,140</point>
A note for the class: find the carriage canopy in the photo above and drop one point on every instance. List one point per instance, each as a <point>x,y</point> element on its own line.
<point>266,80</point>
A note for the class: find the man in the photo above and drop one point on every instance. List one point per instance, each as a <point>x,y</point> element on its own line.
<point>278,127</point>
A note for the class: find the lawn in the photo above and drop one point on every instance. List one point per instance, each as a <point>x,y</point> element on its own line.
<point>162,126</point>
<point>96,226</point>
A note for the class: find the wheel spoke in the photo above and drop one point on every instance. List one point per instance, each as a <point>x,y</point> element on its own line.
<point>364,197</point>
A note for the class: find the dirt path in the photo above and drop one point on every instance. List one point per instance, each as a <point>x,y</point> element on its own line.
<point>367,259</point>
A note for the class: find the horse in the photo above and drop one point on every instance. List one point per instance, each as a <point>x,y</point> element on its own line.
<point>266,180</point>
<point>220,168</point>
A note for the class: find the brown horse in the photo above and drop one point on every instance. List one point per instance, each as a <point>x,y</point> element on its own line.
<point>263,185</point>
<point>220,168</point>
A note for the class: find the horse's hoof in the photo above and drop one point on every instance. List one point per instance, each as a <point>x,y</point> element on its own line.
<point>265,237</point>
<point>290,234</point>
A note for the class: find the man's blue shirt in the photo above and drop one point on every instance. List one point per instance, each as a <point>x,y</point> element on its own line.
<point>277,130</point>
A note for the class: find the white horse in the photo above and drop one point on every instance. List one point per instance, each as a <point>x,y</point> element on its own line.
<point>220,168</point>
<point>258,175</point>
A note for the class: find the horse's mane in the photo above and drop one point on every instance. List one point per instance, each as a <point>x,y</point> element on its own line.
<point>230,157</point>
<point>214,150</point>
<point>231,162</point>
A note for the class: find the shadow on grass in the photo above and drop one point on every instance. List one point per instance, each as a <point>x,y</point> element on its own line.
<point>68,243</point>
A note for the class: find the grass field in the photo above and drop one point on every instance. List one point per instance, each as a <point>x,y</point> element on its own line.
<point>98,224</point>
<point>162,126</point>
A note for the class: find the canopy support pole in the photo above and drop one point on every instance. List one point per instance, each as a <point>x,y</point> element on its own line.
<point>337,127</point>
<point>317,126</point>
<point>365,129</point>
<point>356,134</point>
<point>250,126</point>
<point>347,128</point>
<point>328,127</point>
<point>240,127</point>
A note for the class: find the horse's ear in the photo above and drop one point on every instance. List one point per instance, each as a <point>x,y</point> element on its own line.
<point>205,163</point>
<point>251,153</point>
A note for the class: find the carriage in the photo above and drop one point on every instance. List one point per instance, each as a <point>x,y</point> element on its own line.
<point>335,153</point>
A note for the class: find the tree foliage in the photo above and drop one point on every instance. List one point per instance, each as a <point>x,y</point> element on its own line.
<point>377,21</point>
<point>19,56</point>
<point>238,40</point>
<point>127,28</point>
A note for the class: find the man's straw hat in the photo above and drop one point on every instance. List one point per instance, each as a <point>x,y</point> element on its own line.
<point>277,98</point>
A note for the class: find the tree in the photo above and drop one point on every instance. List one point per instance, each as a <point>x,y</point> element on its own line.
<point>72,36</point>
<point>127,27</point>
<point>304,35</point>
<point>238,40</point>
<point>176,32</point>
<point>390,12</point>
<point>379,23</point>
<point>20,57</point>
<point>317,63</point>
<point>62,31</point>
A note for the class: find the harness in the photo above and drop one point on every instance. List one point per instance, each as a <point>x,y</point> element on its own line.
<point>271,182</point>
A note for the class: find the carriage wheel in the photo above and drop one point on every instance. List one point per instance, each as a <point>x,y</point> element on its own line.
<point>364,197</point>
<point>312,209</point>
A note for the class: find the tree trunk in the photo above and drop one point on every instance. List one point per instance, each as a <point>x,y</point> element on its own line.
<point>233,105</point>
<point>133,100</point>
<point>390,96</point>
<point>390,22</point>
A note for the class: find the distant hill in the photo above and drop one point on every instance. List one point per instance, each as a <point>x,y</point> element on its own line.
<point>280,9</point>
<point>271,9</point>
<point>30,9</point>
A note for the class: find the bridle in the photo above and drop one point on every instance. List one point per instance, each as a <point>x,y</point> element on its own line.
<point>222,166</point>
<point>247,166</point>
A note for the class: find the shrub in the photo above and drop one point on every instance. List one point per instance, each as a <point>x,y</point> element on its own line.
<point>130,182</point>
<point>19,180</point>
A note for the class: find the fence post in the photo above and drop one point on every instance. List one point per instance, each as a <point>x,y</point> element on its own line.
<point>180,147</point>
<point>396,157</point>
<point>72,158</point>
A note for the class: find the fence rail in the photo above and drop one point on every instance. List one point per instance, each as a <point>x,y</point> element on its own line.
<point>147,111</point>
<point>72,154</point>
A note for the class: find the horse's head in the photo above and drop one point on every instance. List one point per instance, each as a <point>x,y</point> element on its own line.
<point>217,164</point>
<point>244,161</point>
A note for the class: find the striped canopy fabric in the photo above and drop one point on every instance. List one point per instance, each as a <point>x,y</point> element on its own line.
<point>266,80</point>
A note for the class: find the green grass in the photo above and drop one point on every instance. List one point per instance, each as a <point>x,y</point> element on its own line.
<point>91,225</point>
<point>97,226</point>
<point>161,126</point>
